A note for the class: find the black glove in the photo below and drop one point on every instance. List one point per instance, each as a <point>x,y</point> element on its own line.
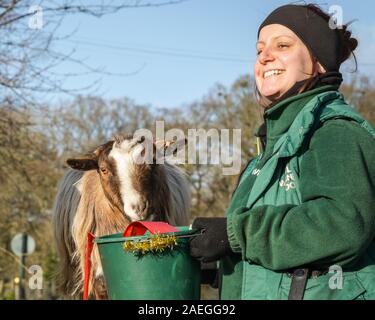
<point>209,274</point>
<point>213,243</point>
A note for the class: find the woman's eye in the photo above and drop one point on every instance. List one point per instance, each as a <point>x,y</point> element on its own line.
<point>283,45</point>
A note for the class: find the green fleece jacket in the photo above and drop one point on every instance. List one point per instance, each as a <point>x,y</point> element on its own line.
<point>308,200</point>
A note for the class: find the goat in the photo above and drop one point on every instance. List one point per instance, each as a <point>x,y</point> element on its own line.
<point>102,193</point>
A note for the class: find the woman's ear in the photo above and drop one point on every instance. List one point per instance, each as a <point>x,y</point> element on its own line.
<point>317,67</point>
<point>320,68</point>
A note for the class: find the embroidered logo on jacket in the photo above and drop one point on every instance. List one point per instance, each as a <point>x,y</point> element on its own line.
<point>289,181</point>
<point>255,172</point>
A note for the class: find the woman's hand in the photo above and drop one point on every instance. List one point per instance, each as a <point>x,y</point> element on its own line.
<point>213,243</point>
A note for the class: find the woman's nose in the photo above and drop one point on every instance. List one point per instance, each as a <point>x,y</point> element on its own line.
<point>265,56</point>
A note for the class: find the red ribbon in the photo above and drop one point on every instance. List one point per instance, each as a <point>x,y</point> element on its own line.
<point>138,228</point>
<point>86,281</point>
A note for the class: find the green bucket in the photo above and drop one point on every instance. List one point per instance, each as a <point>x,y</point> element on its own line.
<point>170,275</point>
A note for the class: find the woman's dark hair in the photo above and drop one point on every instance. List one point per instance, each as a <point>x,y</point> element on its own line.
<point>348,45</point>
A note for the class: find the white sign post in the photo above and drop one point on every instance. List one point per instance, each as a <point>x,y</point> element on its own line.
<point>22,245</point>
<point>16,244</point>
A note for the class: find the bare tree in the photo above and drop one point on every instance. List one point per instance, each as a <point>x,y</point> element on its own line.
<point>85,122</point>
<point>28,33</point>
<point>29,153</point>
<point>361,94</point>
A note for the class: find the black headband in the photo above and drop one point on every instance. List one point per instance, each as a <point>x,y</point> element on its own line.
<point>313,30</point>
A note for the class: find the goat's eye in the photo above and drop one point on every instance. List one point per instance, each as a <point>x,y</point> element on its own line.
<point>103,170</point>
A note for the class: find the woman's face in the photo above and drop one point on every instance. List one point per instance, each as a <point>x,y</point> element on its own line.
<point>282,61</point>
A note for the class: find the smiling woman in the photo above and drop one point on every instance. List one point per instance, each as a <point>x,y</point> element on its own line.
<point>305,205</point>
<point>283,60</point>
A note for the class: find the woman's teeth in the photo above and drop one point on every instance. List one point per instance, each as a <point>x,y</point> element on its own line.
<point>271,73</point>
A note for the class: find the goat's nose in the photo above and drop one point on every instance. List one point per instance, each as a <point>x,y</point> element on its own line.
<point>139,207</point>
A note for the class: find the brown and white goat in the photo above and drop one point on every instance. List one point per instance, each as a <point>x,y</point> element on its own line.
<point>103,192</point>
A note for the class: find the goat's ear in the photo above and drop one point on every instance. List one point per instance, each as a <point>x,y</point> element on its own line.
<point>175,146</point>
<point>170,147</point>
<point>89,161</point>
<point>84,163</point>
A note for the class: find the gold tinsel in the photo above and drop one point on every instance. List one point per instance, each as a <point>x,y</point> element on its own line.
<point>154,244</point>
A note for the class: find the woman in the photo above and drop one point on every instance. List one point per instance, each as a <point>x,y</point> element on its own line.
<point>305,208</point>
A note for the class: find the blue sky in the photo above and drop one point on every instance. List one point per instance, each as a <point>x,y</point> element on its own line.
<point>175,54</point>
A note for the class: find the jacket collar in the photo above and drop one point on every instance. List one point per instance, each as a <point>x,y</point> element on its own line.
<point>280,117</point>
<point>290,142</point>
